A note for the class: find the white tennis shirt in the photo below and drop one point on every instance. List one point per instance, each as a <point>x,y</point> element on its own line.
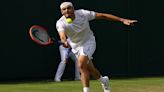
<point>79,30</point>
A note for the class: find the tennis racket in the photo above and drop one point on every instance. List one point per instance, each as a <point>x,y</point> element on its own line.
<point>40,35</point>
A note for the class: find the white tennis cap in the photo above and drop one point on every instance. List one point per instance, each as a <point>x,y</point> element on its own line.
<point>64,4</point>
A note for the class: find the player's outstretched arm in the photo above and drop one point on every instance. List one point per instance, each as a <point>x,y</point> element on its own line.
<point>115,18</point>
<point>63,39</point>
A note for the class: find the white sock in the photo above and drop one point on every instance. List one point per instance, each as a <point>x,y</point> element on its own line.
<point>85,89</point>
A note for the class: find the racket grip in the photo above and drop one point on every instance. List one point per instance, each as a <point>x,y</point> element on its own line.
<point>60,42</point>
<point>57,41</point>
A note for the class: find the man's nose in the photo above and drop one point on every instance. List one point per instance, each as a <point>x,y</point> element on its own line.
<point>67,10</point>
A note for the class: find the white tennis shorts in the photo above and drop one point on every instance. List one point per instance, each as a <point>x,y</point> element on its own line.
<point>86,49</point>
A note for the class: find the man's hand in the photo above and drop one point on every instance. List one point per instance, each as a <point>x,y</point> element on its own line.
<point>66,45</point>
<point>128,21</point>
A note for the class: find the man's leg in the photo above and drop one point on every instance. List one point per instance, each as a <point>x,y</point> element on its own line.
<point>77,71</point>
<point>60,71</point>
<point>96,74</point>
<point>83,66</point>
<point>62,64</point>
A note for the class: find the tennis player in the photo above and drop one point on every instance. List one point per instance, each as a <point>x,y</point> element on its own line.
<point>82,39</point>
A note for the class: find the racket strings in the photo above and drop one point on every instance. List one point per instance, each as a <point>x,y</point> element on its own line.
<point>41,35</point>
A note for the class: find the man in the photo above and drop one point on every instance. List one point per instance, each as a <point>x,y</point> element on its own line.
<point>82,39</point>
<point>66,53</point>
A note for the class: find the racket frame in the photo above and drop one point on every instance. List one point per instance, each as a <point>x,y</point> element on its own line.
<point>35,39</point>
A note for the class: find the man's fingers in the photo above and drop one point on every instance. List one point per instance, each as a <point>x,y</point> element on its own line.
<point>134,21</point>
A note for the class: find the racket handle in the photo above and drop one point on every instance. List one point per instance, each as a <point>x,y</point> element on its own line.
<point>57,41</point>
<point>60,42</point>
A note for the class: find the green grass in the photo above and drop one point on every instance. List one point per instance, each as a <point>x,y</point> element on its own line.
<point>154,84</point>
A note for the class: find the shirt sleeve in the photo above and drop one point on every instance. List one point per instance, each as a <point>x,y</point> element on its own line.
<point>89,14</point>
<point>60,26</point>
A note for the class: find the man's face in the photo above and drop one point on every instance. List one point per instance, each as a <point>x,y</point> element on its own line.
<point>68,11</point>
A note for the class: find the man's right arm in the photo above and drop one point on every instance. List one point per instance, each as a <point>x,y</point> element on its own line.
<point>63,39</point>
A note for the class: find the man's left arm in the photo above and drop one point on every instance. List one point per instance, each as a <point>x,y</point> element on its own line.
<point>115,18</point>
